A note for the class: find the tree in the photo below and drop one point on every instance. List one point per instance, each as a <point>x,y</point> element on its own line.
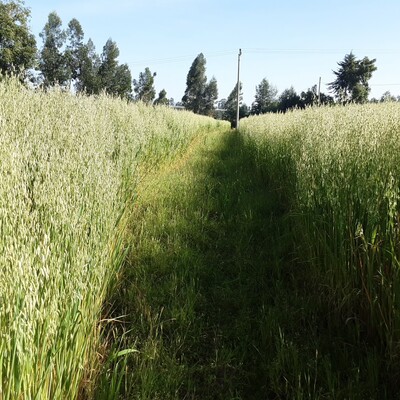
<point>210,95</point>
<point>351,83</point>
<point>195,85</point>
<point>89,80</point>
<point>144,86</point>
<point>108,65</point>
<point>387,96</point>
<point>289,99</point>
<point>115,79</point>
<point>74,52</point>
<point>53,63</point>
<point>265,98</point>
<point>310,98</point>
<point>231,106</point>
<point>221,104</point>
<point>17,44</point>
<point>121,84</point>
<point>162,99</point>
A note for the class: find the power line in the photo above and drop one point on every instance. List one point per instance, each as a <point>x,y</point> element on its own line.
<point>258,50</point>
<point>178,59</point>
<point>384,84</point>
<point>317,51</point>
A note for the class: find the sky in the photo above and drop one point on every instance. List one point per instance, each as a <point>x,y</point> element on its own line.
<point>290,43</point>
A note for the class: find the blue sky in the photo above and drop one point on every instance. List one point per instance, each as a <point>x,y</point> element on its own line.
<point>291,43</point>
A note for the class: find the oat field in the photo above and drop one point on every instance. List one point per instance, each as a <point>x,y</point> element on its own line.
<point>341,166</point>
<point>68,170</point>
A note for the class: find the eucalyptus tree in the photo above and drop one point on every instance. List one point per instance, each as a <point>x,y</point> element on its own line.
<point>144,86</point>
<point>17,43</point>
<point>53,62</point>
<point>265,98</point>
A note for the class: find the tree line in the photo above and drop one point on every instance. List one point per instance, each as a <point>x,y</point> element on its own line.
<point>350,85</point>
<point>67,60</point>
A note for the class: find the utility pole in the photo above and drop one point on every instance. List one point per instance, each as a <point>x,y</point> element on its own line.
<point>319,92</point>
<point>238,91</point>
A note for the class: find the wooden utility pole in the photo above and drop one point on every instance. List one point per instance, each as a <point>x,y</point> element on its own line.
<point>319,92</point>
<point>238,91</point>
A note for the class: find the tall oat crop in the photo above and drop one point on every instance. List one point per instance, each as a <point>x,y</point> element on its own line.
<point>68,166</point>
<point>340,169</point>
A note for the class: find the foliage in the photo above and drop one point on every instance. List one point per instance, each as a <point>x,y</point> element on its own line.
<point>114,79</point>
<point>17,43</point>
<point>288,100</point>
<point>200,96</point>
<point>75,48</point>
<point>210,95</point>
<point>121,85</point>
<point>231,106</point>
<point>387,96</point>
<point>351,83</point>
<point>53,63</point>
<point>144,86</point>
<point>88,79</point>
<point>65,58</point>
<point>195,84</point>
<point>265,98</point>
<point>162,99</point>
<point>310,98</point>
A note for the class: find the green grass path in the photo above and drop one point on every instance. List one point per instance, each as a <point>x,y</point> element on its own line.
<point>205,250</point>
<point>213,302</point>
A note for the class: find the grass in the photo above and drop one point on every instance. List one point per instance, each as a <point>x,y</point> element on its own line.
<point>202,294</point>
<point>68,165</point>
<point>195,265</point>
<point>152,254</point>
<point>219,298</point>
<point>340,169</point>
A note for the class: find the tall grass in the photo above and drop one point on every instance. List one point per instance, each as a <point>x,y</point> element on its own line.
<point>68,167</point>
<point>341,170</point>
